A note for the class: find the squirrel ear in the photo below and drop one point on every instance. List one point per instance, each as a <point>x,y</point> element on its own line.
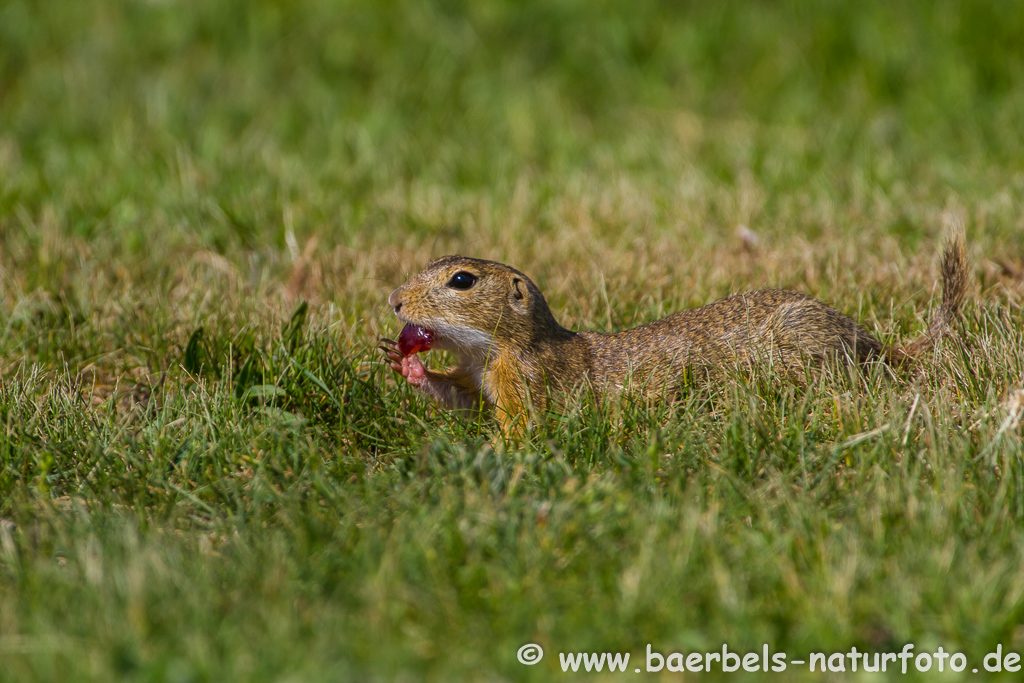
<point>519,296</point>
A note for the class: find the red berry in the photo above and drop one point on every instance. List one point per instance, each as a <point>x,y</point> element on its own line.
<point>414,339</point>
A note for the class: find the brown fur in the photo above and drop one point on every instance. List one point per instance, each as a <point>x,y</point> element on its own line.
<point>513,352</point>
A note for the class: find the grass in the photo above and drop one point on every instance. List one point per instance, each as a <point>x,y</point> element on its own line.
<point>207,474</point>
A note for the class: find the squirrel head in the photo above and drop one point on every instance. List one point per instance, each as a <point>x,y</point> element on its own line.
<point>472,305</point>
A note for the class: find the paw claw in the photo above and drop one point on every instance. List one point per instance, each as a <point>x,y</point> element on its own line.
<point>410,367</point>
<point>391,354</point>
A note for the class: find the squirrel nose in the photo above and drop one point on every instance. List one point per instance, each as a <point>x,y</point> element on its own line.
<point>395,300</point>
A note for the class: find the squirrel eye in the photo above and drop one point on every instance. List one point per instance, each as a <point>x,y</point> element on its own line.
<point>462,280</point>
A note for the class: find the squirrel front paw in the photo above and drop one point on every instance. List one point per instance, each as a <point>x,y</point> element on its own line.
<point>413,370</point>
<point>410,367</point>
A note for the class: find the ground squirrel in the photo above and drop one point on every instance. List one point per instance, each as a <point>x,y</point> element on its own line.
<point>513,353</point>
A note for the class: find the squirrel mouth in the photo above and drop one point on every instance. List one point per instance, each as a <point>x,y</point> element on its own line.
<point>414,339</point>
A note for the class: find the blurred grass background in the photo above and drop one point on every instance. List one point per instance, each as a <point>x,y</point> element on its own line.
<point>199,124</point>
<point>202,478</point>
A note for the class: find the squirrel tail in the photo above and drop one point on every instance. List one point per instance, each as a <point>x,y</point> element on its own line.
<point>954,286</point>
